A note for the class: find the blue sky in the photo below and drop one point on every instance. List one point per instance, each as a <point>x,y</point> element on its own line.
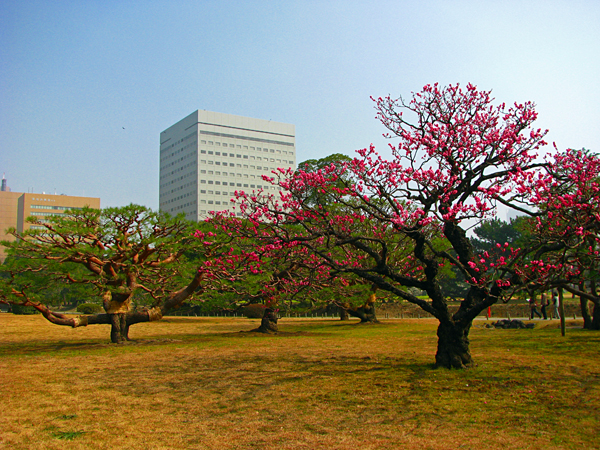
<point>86,86</point>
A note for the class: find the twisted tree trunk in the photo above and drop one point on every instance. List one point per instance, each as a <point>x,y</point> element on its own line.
<point>453,345</point>
<point>366,312</point>
<point>268,323</point>
<point>119,313</point>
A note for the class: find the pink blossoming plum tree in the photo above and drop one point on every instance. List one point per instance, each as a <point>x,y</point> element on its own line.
<point>566,234</point>
<point>400,223</point>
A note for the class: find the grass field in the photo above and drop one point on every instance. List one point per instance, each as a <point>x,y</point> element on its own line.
<point>196,383</point>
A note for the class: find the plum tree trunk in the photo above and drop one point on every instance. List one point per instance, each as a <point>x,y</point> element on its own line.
<point>453,346</point>
<point>268,324</point>
<point>595,322</point>
<point>585,313</point>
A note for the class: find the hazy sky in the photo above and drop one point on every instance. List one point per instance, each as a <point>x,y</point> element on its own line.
<point>86,86</point>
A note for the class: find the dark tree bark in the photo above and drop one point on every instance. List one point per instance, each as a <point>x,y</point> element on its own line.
<point>585,313</point>
<point>119,331</point>
<point>596,316</point>
<point>591,321</point>
<point>453,345</point>
<point>268,323</point>
<point>595,325</point>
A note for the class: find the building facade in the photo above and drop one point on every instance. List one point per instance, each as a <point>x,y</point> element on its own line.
<point>16,207</point>
<point>207,156</point>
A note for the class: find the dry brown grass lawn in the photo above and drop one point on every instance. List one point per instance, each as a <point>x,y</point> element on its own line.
<point>323,384</point>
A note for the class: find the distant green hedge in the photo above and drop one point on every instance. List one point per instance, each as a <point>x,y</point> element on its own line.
<point>20,309</point>
<point>89,308</point>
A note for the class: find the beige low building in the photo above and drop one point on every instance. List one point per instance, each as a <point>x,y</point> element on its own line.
<point>16,207</point>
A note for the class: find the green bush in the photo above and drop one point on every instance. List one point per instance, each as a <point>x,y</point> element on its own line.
<point>254,311</point>
<point>20,309</point>
<point>89,308</point>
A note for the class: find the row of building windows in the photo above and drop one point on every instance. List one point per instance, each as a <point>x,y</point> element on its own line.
<point>47,214</point>
<point>179,160</point>
<point>52,207</point>
<point>181,197</point>
<point>173,172</point>
<point>212,202</point>
<point>225,145</point>
<point>218,163</point>
<point>229,183</point>
<point>238,155</point>
<point>177,180</point>
<point>178,151</point>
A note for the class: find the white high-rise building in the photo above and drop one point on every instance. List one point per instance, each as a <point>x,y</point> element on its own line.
<point>207,156</point>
